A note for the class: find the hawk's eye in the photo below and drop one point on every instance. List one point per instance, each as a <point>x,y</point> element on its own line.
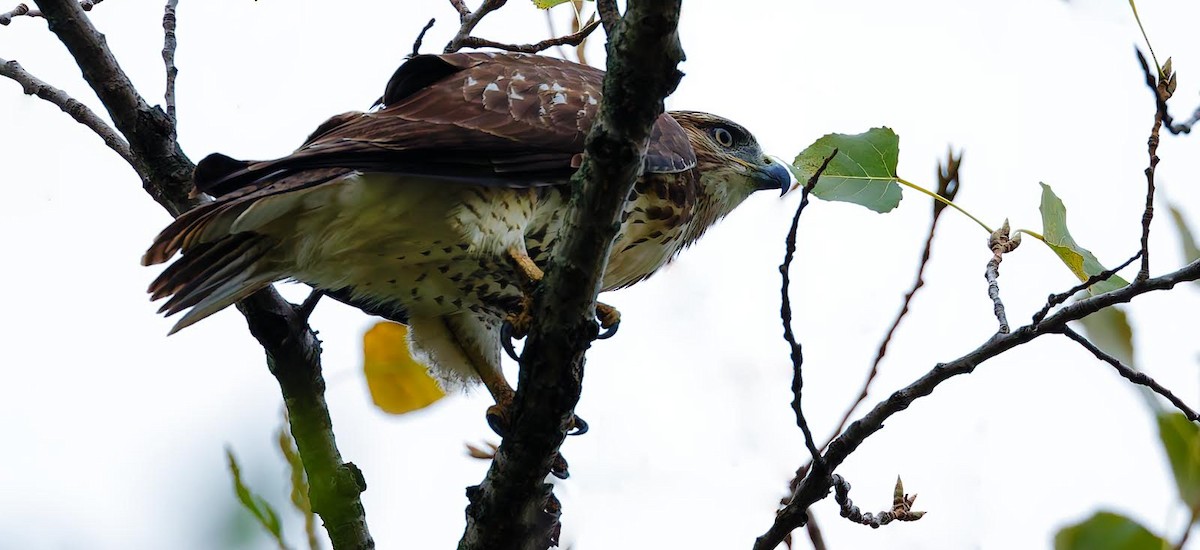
<point>723,137</point>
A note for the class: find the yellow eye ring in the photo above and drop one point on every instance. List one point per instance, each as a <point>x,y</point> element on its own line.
<point>723,137</point>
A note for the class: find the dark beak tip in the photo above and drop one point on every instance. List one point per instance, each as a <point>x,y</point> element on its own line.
<point>777,177</point>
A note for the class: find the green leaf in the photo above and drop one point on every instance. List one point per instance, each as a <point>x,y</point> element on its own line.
<point>260,508</point>
<point>547,4</point>
<point>1181,439</point>
<point>863,172</point>
<point>1107,531</point>
<point>1079,260</point>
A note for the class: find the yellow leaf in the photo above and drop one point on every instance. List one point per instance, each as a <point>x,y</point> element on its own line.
<point>397,382</point>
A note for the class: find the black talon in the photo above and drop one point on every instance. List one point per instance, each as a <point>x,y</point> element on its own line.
<point>609,332</point>
<point>558,468</point>
<point>580,427</point>
<point>506,340</point>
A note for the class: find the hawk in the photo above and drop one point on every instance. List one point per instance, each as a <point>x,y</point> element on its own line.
<point>439,207</point>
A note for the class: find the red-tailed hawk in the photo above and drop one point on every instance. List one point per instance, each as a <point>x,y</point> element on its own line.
<point>439,207</point>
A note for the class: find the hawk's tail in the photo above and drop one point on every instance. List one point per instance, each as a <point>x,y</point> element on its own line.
<point>211,276</point>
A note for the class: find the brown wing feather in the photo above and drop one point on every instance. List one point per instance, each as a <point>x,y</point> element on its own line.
<point>470,117</point>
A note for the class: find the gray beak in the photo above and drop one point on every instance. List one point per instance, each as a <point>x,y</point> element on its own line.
<point>773,176</point>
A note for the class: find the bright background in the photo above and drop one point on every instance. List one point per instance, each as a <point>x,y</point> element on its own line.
<point>113,434</point>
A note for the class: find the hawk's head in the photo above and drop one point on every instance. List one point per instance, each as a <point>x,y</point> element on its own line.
<point>731,163</point>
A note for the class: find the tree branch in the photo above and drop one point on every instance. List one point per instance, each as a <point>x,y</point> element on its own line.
<point>293,352</point>
<point>513,507</point>
<point>168,55</point>
<point>1164,86</point>
<point>32,85</point>
<point>814,488</point>
<point>1131,374</point>
<point>573,39</point>
<point>469,20</point>
<point>1000,243</point>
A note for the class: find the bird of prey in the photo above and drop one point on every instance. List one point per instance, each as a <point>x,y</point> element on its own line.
<point>439,207</point>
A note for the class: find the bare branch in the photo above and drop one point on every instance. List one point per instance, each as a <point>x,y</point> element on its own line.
<point>291,347</point>
<point>1168,121</point>
<point>421,38</point>
<point>1000,243</point>
<point>901,506</point>
<point>32,85</point>
<point>1163,86</point>
<point>1131,374</point>
<point>514,507</point>
<point>168,55</point>
<point>1056,299</point>
<point>816,487</point>
<point>469,20</point>
<point>23,9</point>
<point>785,312</point>
<point>574,39</point>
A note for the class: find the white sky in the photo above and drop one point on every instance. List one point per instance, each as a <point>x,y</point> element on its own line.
<point>113,434</point>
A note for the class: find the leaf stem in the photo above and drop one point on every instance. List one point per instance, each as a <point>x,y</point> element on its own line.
<point>945,201</point>
<point>1033,234</point>
<point>1138,18</point>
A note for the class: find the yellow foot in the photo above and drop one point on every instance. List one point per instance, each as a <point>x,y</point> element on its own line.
<point>609,319</point>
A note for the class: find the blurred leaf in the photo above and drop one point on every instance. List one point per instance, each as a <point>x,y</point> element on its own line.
<point>1107,531</point>
<point>1079,260</point>
<point>1109,329</point>
<point>257,506</point>
<point>1187,239</point>
<point>299,480</point>
<point>1181,439</point>
<point>863,172</point>
<point>398,383</point>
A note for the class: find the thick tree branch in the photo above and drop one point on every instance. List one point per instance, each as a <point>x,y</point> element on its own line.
<point>32,85</point>
<point>814,488</point>
<point>292,350</point>
<point>513,507</point>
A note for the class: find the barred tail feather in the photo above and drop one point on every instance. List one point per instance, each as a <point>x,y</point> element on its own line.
<point>211,276</point>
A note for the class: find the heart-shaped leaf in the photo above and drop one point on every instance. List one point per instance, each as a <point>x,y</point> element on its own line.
<point>863,172</point>
<point>398,383</point>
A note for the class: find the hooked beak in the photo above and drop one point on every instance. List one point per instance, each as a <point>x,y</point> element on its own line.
<point>773,176</point>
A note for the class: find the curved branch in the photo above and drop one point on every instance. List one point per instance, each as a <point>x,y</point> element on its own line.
<point>814,488</point>
<point>513,507</point>
<point>32,85</point>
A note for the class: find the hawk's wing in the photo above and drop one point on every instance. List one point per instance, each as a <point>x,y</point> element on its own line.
<point>479,118</point>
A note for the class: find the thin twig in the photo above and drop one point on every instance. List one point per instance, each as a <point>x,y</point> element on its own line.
<point>421,38</point>
<point>1000,243</point>
<point>1056,299</point>
<point>168,55</point>
<point>1168,121</point>
<point>32,85</point>
<point>469,20</point>
<point>814,534</point>
<point>901,506</point>
<point>816,487</point>
<point>948,186</point>
<point>1164,86</point>
<point>1131,374</point>
<point>785,312</point>
<point>574,39</point>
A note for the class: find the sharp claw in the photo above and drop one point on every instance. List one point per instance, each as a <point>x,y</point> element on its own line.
<point>497,420</point>
<point>609,332</point>
<point>580,427</point>
<point>558,468</point>
<point>506,340</point>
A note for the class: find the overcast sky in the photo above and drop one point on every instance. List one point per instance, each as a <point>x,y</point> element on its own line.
<point>113,434</point>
